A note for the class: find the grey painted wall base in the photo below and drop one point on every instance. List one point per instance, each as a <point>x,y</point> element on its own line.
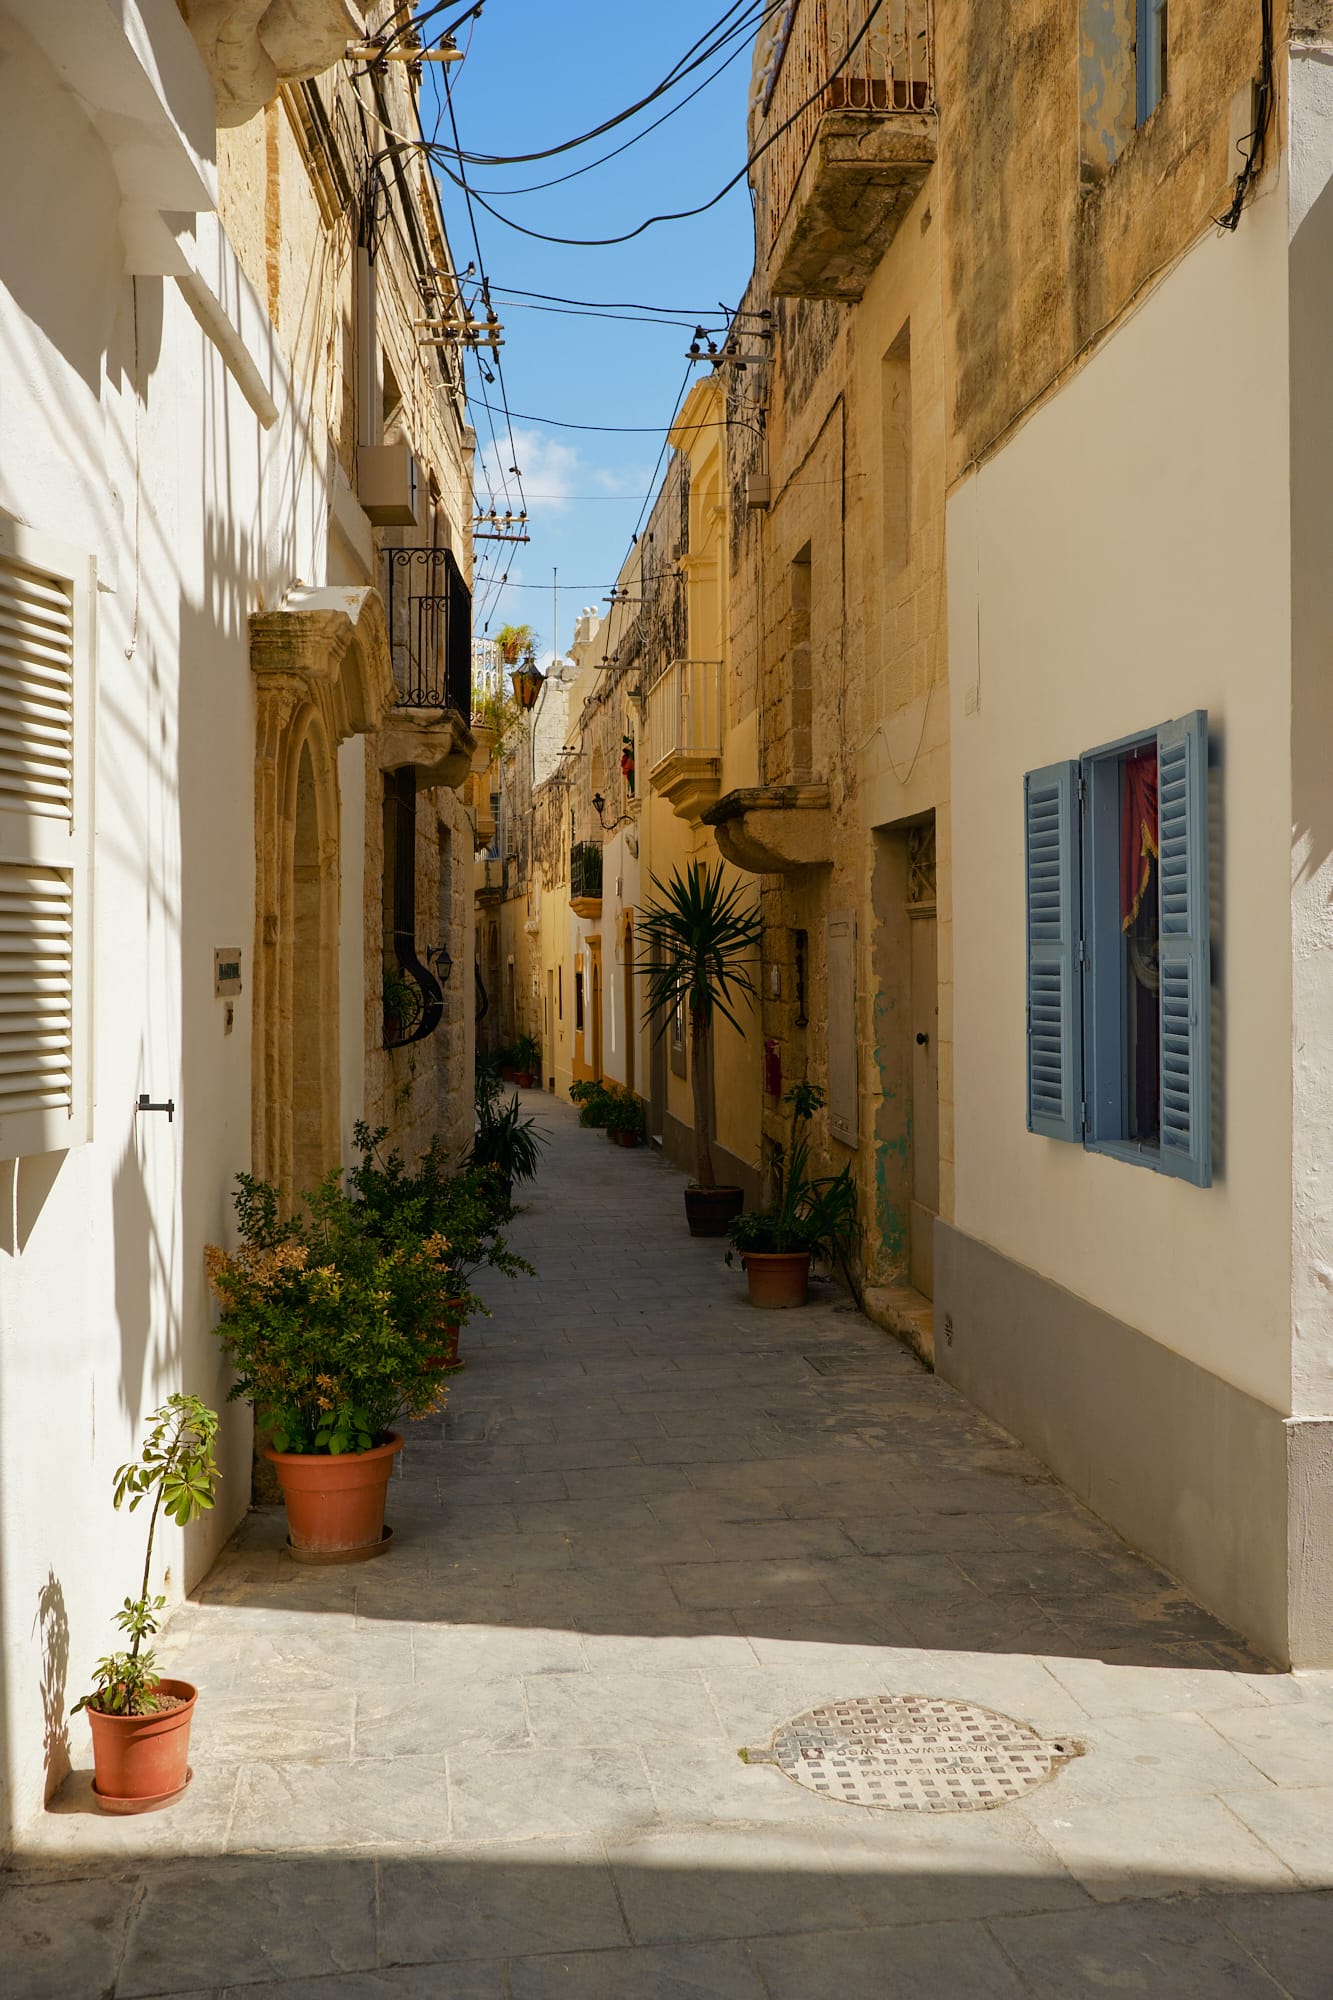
<point>1235,1499</point>
<point>678,1145</point>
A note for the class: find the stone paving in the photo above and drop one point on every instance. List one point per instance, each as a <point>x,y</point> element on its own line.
<point>655,1524</point>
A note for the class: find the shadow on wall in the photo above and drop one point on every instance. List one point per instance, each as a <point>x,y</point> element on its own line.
<point>853,1908</point>
<point>51,1630</point>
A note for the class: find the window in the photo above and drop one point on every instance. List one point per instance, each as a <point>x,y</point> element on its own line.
<point>578,1001</point>
<point>46,628</point>
<point>1150,42</point>
<point>1118,952</point>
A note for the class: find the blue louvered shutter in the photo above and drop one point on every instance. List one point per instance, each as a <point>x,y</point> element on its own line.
<point>1054,913</point>
<point>1184,957</point>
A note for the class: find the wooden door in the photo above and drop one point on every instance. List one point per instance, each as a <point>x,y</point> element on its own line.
<point>924,1021</point>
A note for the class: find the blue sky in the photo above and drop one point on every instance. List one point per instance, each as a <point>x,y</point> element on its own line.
<point>536,75</point>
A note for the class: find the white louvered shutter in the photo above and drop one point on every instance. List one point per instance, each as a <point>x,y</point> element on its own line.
<point>1184,956</point>
<point>46,613</point>
<point>1054,916</point>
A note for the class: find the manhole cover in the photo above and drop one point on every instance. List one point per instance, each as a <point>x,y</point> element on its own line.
<point>913,1753</point>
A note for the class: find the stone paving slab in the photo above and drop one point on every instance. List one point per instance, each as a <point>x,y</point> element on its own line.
<point>652,1526</point>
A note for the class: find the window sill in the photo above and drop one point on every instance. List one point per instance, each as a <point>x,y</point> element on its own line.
<point>1128,1150</point>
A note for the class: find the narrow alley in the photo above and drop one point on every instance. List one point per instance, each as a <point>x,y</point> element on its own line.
<point>654,1526</point>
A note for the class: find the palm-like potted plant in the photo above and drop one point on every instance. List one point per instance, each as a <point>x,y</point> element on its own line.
<point>505,1141</point>
<point>697,944</point>
<point>810,1216</point>
<point>141,1721</point>
<point>527,1061</point>
<point>514,640</point>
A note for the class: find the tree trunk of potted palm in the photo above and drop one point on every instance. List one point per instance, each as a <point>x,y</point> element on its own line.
<point>697,943</point>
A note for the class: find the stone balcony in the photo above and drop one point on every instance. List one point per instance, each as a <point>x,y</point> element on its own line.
<point>685,729</point>
<point>850,98</point>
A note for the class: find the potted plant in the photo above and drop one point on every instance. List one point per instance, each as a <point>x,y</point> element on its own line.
<point>514,640</point>
<point>503,1059</point>
<point>140,1721</point>
<point>593,1099</point>
<point>697,945</point>
<point>810,1215</point>
<point>527,1061</point>
<point>624,1118</point>
<point>332,1332</point>
<point>506,1141</point>
<point>464,1209</point>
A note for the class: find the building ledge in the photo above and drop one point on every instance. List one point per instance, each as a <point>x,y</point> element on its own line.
<point>862,174</point>
<point>587,907</point>
<point>436,740</point>
<point>774,829</point>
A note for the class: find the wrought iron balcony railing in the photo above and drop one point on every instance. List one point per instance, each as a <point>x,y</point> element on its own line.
<point>429,611</point>
<point>873,59</point>
<point>585,872</point>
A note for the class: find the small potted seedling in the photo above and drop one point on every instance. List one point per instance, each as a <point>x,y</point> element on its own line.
<point>141,1721</point>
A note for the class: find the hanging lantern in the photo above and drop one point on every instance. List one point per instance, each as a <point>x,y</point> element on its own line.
<point>526,682</point>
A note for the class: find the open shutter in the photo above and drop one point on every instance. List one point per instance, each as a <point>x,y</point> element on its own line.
<point>1054,911</point>
<point>46,601</point>
<point>1184,958</point>
<point>843,1120</point>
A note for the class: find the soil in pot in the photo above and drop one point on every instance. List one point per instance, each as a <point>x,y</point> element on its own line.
<point>709,1210</point>
<point>141,1761</point>
<point>777,1278</point>
<point>335,1504</point>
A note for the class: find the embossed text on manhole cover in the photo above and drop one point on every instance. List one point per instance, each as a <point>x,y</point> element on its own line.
<point>916,1753</point>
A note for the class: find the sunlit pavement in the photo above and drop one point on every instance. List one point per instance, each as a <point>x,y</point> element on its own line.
<point>654,1525</point>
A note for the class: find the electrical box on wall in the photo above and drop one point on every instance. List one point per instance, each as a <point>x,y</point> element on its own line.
<point>227,971</point>
<point>386,484</point>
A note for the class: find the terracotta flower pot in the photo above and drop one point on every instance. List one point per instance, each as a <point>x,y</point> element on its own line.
<point>709,1210</point>
<point>777,1278</point>
<point>508,1074</point>
<point>445,1355</point>
<point>142,1761</point>
<point>335,1502</point>
<point>523,1078</point>
<point>623,1138</point>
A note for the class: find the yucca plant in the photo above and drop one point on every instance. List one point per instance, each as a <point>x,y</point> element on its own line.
<point>697,944</point>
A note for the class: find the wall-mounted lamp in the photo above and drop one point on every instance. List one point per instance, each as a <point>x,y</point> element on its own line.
<point>598,805</point>
<point>442,959</point>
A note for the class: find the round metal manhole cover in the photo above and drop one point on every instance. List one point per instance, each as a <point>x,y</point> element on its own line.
<point>914,1753</point>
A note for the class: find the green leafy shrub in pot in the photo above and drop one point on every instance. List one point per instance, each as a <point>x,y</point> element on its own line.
<point>328,1326</point>
<point>624,1113</point>
<point>465,1206</point>
<point>594,1101</point>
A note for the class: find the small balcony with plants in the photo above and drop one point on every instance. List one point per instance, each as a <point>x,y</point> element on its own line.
<point>585,878</point>
<point>845,103</point>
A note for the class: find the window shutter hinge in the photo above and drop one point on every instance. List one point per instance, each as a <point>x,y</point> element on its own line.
<point>1083,791</point>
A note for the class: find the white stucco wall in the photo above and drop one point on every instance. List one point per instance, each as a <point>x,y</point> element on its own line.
<point>1125,559</point>
<point>124,431</point>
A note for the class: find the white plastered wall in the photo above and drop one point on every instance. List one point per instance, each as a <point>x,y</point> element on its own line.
<point>1123,559</point>
<point>125,431</point>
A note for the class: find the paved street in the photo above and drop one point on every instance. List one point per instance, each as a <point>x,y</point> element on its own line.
<point>502,1764</point>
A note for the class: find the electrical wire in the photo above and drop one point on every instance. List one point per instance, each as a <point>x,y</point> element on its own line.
<point>681,69</point>
<point>671,215</point>
<point>745,30</point>
<point>627,305</point>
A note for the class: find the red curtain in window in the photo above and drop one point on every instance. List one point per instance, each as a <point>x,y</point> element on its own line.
<point>1138,831</point>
